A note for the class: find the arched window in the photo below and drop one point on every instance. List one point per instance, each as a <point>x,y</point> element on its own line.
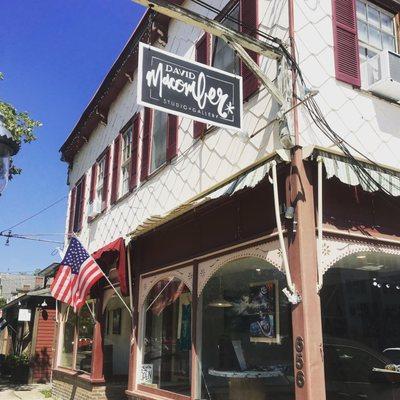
<point>360,302</point>
<point>167,341</point>
<point>245,332</point>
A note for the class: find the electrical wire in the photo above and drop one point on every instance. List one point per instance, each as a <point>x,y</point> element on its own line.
<point>34,215</point>
<point>10,235</point>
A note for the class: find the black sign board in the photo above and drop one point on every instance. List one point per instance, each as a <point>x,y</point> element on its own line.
<point>177,86</point>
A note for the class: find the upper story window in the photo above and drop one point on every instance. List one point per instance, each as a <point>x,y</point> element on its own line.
<point>77,200</point>
<point>101,169</point>
<point>126,160</point>
<point>159,140</point>
<point>376,29</point>
<point>224,57</point>
<point>361,31</point>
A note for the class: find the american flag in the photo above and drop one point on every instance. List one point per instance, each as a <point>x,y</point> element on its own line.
<point>77,273</point>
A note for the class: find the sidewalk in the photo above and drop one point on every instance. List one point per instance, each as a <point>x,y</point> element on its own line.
<point>10,391</point>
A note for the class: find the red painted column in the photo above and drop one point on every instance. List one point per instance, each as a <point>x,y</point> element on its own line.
<point>134,336</point>
<point>98,344</point>
<point>302,242</point>
<point>306,316</point>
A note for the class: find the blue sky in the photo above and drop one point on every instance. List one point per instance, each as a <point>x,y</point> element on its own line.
<point>54,55</point>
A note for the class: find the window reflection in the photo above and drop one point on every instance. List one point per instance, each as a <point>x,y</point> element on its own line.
<point>167,342</point>
<point>86,324</point>
<point>360,303</point>
<point>67,348</point>
<point>245,329</point>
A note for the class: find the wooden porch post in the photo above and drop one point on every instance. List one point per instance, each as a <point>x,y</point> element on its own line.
<point>98,343</point>
<point>306,316</point>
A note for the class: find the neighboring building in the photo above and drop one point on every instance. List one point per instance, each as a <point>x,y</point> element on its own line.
<point>9,283</point>
<point>31,329</point>
<point>196,205</point>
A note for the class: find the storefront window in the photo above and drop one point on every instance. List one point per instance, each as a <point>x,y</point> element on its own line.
<point>86,324</point>
<point>244,321</point>
<point>360,303</point>
<point>67,346</point>
<point>166,361</point>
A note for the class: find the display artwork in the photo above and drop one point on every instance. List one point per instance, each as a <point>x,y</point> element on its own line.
<point>116,323</point>
<point>264,299</point>
<point>146,374</point>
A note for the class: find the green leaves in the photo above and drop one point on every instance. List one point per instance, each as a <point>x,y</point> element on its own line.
<point>19,124</point>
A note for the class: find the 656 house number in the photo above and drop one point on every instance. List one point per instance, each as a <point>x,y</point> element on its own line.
<point>300,378</point>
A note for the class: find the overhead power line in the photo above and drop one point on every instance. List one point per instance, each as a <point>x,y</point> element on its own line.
<point>34,215</point>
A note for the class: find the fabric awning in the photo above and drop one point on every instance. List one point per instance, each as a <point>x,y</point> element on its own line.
<point>346,172</point>
<point>115,251</point>
<point>248,179</point>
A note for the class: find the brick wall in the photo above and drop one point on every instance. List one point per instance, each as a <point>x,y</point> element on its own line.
<point>71,387</point>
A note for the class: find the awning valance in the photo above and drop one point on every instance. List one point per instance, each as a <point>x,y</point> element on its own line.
<point>114,251</point>
<point>248,179</point>
<point>347,172</point>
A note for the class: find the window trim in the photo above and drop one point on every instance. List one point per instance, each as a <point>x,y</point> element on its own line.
<point>125,163</point>
<point>76,338</point>
<point>392,14</point>
<point>77,219</point>
<point>191,272</point>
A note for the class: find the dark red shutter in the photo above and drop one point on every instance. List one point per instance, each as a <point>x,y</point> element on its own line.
<point>148,115</point>
<point>134,153</point>
<point>106,179</point>
<point>71,210</point>
<point>249,18</point>
<point>203,56</point>
<point>347,59</point>
<point>172,138</point>
<point>93,178</point>
<point>116,169</point>
<point>82,201</point>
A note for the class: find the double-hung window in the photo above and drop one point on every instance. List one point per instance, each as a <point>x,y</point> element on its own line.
<point>101,170</point>
<point>224,57</point>
<point>160,138</point>
<point>76,209</point>
<point>361,30</point>
<point>376,29</point>
<point>126,160</point>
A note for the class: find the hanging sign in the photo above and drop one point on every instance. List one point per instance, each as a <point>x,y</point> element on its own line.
<point>24,314</point>
<point>177,86</point>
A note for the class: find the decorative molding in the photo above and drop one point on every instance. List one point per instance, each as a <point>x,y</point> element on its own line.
<point>268,251</point>
<point>335,249</point>
<point>184,274</point>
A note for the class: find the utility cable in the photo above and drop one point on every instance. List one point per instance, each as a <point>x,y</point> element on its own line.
<point>10,235</point>
<point>34,215</point>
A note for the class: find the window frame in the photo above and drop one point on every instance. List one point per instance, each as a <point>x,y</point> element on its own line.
<point>185,275</point>
<point>79,204</point>
<point>153,117</point>
<point>99,188</point>
<point>68,309</point>
<point>195,275</point>
<point>125,163</point>
<point>381,10</point>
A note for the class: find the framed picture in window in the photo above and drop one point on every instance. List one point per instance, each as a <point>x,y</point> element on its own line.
<point>116,321</point>
<point>264,321</point>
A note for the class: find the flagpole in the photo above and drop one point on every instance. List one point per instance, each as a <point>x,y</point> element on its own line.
<point>130,276</point>
<point>119,296</point>
<point>105,276</point>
